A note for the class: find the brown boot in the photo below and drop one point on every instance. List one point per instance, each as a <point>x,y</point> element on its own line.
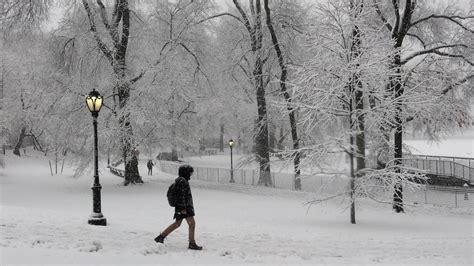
<point>194,246</point>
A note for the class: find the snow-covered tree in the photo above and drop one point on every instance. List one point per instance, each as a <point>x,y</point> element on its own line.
<point>292,16</point>
<point>428,39</point>
<point>348,67</point>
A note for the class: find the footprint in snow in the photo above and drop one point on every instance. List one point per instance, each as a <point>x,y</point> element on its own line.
<point>37,242</point>
<point>152,250</point>
<point>224,253</point>
<point>95,246</point>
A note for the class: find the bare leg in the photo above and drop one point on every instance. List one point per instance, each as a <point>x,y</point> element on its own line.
<point>192,227</point>
<point>172,227</point>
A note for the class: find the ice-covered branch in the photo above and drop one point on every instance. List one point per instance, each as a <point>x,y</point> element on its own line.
<point>453,19</point>
<point>434,50</point>
<point>102,46</point>
<point>382,17</point>
<point>220,15</point>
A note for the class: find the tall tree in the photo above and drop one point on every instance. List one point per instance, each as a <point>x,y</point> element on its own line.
<point>26,87</point>
<point>253,25</point>
<point>349,63</point>
<point>282,62</point>
<point>356,100</point>
<point>415,20</point>
<point>118,32</point>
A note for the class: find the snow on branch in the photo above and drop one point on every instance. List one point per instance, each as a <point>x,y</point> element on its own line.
<point>382,17</point>
<point>452,86</point>
<point>377,184</point>
<point>454,19</point>
<point>435,50</point>
<point>102,46</point>
<point>220,15</point>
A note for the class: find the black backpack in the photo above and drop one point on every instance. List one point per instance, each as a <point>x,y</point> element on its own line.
<point>171,195</point>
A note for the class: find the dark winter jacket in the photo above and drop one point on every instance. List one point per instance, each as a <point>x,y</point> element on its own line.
<point>150,164</point>
<point>183,194</point>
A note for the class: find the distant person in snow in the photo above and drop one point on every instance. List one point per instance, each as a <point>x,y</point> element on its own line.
<point>150,167</point>
<point>184,208</point>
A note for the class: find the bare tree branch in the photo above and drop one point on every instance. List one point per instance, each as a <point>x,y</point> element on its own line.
<point>110,28</point>
<point>102,46</point>
<point>459,82</point>
<point>196,59</point>
<point>186,110</point>
<point>448,89</point>
<point>396,11</point>
<point>450,18</point>
<point>220,15</point>
<point>433,50</point>
<point>247,24</point>
<point>407,15</point>
<point>125,28</point>
<point>258,25</point>
<point>382,17</point>
<point>285,24</point>
<point>418,38</point>
<point>103,13</point>
<point>455,56</point>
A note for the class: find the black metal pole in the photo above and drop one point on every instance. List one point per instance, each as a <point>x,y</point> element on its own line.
<point>231,167</point>
<point>96,217</point>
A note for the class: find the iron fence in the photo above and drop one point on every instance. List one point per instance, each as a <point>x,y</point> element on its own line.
<point>459,167</point>
<point>309,183</point>
<point>456,197</point>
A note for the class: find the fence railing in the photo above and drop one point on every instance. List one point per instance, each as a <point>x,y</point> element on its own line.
<point>467,161</point>
<point>309,183</point>
<point>116,171</point>
<point>458,167</point>
<point>325,184</point>
<point>455,197</point>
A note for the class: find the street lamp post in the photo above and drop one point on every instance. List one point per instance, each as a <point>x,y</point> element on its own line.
<point>231,145</point>
<point>94,103</point>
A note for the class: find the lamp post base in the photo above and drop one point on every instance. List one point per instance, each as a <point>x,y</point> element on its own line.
<point>97,219</point>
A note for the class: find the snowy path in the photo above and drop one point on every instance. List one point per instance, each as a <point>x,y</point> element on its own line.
<point>44,220</point>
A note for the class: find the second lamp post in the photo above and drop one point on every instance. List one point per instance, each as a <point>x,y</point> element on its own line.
<point>94,103</point>
<point>231,145</point>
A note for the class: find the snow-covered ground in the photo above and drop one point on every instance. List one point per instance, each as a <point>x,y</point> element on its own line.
<point>44,221</point>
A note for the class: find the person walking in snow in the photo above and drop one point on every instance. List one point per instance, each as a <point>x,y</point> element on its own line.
<point>150,167</point>
<point>184,207</point>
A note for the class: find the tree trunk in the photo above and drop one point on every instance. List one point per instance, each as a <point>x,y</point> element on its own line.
<point>132,176</point>
<point>256,37</point>
<point>36,143</point>
<point>356,98</point>
<point>398,135</point>
<point>271,138</point>
<point>131,168</point>
<point>351,164</point>
<point>281,139</point>
<point>283,76</point>
<point>116,55</point>
<point>262,128</point>
<point>399,31</point>
<point>356,90</point>
<point>221,139</point>
<point>16,150</point>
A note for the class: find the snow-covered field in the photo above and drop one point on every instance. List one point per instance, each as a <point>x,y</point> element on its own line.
<point>44,221</point>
